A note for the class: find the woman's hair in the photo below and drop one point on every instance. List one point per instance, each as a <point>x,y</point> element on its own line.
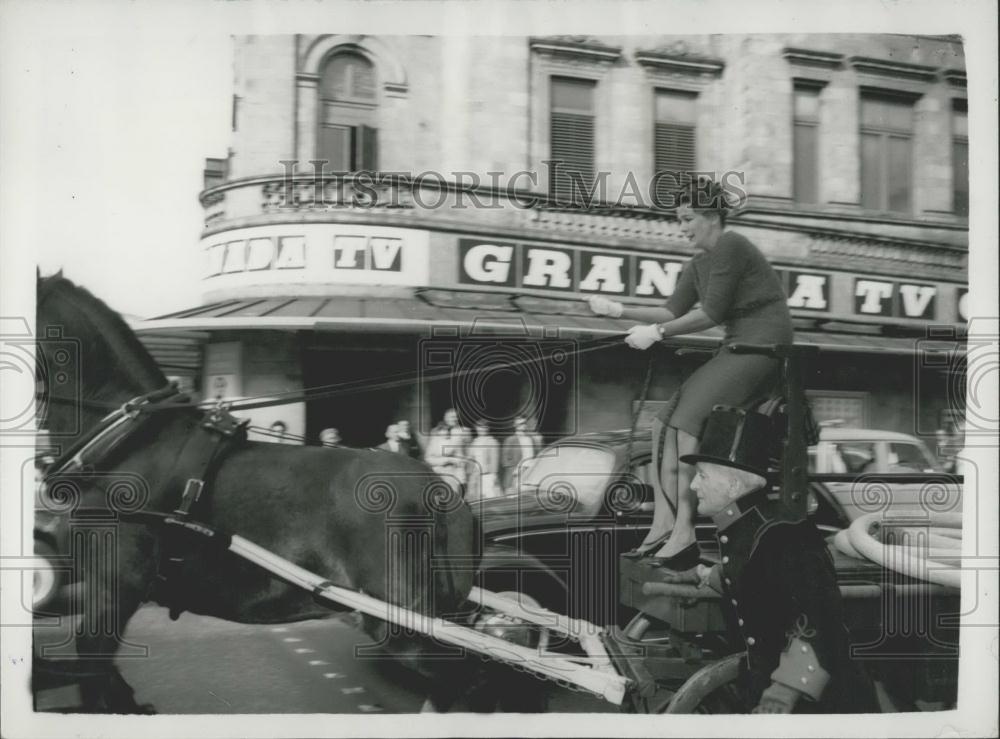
<point>707,196</point>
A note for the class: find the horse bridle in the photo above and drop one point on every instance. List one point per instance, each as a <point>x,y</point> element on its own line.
<point>74,457</point>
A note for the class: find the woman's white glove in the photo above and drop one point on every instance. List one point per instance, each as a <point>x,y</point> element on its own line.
<point>603,306</point>
<point>642,337</point>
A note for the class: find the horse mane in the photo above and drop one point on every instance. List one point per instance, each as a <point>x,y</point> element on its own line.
<point>109,326</point>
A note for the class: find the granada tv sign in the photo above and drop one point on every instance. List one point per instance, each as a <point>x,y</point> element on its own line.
<point>584,270</point>
<point>567,269</point>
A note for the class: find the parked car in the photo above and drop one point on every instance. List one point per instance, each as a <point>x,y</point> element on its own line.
<point>588,498</point>
<point>872,452</point>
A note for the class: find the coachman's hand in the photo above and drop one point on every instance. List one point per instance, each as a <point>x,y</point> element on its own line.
<point>603,306</point>
<point>777,698</point>
<point>684,577</point>
<point>642,337</point>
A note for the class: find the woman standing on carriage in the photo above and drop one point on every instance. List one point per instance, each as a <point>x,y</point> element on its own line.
<point>735,287</point>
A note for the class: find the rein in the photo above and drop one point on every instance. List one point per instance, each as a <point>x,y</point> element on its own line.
<point>638,409</point>
<point>149,403</point>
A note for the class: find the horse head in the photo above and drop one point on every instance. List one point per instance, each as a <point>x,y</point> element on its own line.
<point>87,359</point>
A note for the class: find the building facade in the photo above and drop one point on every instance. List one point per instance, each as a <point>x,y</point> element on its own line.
<point>395,209</point>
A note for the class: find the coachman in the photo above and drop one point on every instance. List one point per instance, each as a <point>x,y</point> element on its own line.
<point>776,578</point>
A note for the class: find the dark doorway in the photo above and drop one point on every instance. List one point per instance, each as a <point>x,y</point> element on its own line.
<point>498,379</point>
<point>376,368</point>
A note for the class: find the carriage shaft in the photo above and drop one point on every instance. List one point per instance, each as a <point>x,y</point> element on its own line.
<point>604,683</point>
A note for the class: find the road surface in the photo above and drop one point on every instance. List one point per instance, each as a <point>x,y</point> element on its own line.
<point>201,665</point>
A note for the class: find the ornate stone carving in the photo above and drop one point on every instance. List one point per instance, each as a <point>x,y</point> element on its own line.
<point>214,204</point>
<point>333,192</point>
<point>908,258</point>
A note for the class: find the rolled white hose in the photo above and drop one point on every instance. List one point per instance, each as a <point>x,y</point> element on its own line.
<point>907,560</point>
<point>844,546</point>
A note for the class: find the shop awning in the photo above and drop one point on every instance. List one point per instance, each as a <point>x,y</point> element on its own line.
<point>492,313</point>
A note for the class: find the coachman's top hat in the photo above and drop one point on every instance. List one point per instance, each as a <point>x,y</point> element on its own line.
<point>734,437</point>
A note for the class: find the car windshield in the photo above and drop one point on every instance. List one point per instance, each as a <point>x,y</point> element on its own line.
<point>861,456</point>
<point>857,456</point>
<point>569,470</point>
<point>910,458</point>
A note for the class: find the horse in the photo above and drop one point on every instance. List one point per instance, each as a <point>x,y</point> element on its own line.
<point>325,509</point>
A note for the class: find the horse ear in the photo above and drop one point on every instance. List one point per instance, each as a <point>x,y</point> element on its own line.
<point>58,275</point>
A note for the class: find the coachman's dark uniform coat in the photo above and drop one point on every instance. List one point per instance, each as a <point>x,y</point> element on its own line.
<point>778,580</point>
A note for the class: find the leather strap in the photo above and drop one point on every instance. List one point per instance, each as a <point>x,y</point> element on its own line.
<point>196,465</point>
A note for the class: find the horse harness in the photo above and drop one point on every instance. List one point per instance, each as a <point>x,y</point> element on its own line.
<point>193,470</point>
<point>197,463</point>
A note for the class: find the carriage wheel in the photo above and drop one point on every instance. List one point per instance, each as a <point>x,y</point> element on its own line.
<point>713,689</point>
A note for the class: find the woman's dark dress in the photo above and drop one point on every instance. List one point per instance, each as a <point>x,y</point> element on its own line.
<point>739,290</point>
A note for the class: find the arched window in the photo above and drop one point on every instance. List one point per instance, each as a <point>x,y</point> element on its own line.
<point>346,134</point>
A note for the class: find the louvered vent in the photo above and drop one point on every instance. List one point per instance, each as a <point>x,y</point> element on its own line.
<point>572,137</point>
<point>674,153</point>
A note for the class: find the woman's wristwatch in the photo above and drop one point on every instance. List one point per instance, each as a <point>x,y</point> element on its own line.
<point>660,330</point>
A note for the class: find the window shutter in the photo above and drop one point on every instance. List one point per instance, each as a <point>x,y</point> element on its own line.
<point>368,149</point>
<point>805,157</point>
<point>347,77</point>
<point>900,174</point>
<point>960,157</point>
<point>347,104</point>
<point>805,142</point>
<point>960,174</point>
<point>871,170</point>
<point>673,152</point>
<point>886,153</point>
<point>572,146</point>
<point>335,147</point>
<point>215,172</point>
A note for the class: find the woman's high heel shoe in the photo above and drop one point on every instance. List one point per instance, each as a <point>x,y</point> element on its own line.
<point>685,559</point>
<point>647,549</point>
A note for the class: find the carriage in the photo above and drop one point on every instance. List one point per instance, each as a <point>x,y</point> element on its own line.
<point>206,525</point>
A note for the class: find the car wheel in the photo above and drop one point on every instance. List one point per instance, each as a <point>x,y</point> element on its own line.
<point>46,579</point>
<point>506,570</point>
<point>532,585</point>
<point>494,686</point>
<point>512,628</point>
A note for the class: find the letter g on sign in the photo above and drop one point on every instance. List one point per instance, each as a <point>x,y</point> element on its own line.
<point>488,263</point>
